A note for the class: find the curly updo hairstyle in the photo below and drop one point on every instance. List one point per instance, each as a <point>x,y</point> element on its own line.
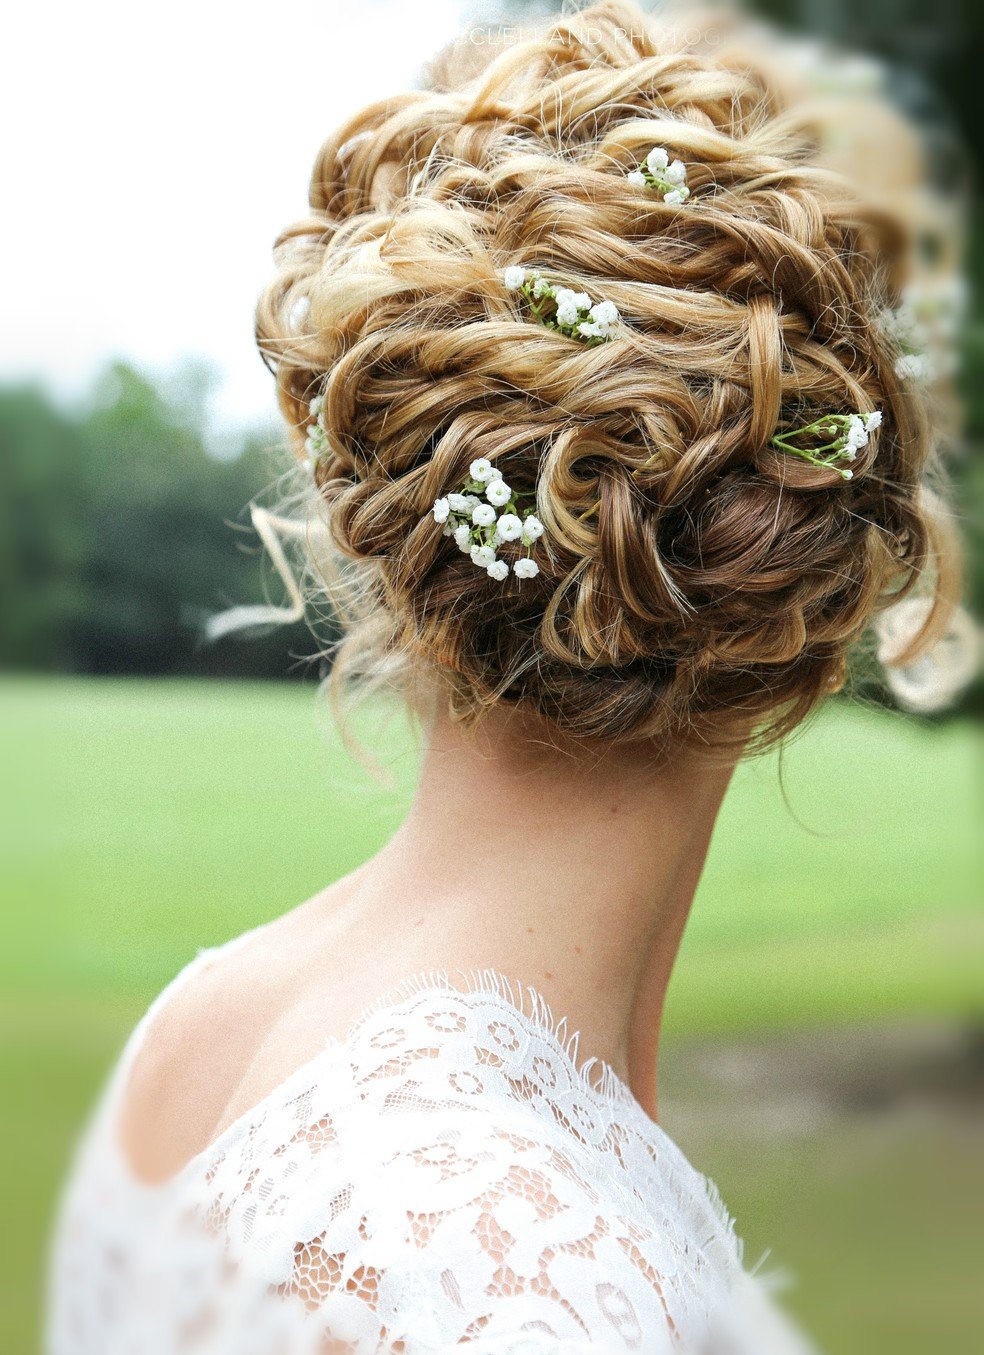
<point>695,582</point>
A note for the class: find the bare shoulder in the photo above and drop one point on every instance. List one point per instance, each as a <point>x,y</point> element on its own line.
<point>258,1011</point>
<point>232,1031</point>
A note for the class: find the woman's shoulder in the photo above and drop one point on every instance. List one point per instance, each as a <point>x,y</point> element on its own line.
<point>451,1147</point>
<point>228,1029</point>
<point>447,1160</point>
<point>463,1085</point>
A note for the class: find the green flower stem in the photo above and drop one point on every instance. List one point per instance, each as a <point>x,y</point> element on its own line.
<point>656,180</point>
<point>826,454</point>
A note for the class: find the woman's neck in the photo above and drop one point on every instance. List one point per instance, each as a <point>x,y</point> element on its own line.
<point>573,873</point>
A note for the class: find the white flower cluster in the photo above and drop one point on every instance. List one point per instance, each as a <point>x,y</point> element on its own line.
<point>668,177</point>
<point>845,435</point>
<point>316,442</point>
<point>859,426</point>
<point>485,515</point>
<point>561,308</point>
<point>904,329</point>
<point>925,328</point>
<point>913,367</point>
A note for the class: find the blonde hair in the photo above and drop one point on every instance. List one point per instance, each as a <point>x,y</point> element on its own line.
<point>719,585</point>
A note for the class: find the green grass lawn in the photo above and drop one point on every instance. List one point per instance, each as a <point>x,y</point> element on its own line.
<point>147,819</point>
<point>141,820</point>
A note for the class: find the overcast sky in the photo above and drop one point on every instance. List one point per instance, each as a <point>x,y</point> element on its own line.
<point>151,154</point>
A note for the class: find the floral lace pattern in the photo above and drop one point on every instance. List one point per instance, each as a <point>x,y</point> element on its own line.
<point>446,1174</point>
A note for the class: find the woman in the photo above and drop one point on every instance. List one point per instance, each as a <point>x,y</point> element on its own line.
<point>584,354</point>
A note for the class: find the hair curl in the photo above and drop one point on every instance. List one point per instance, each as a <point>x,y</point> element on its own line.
<point>719,584</point>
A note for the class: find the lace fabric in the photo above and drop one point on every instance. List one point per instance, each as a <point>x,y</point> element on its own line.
<point>447,1173</point>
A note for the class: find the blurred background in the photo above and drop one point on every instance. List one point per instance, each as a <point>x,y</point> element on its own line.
<point>825,1045</point>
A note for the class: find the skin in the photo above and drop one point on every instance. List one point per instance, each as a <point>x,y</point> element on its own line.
<point>572,872</point>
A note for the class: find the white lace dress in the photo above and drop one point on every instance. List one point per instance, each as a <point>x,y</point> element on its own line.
<point>446,1174</point>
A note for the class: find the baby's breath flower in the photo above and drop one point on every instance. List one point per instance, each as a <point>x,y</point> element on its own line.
<point>514,277</point>
<point>567,315</point>
<point>603,315</point>
<point>525,568</point>
<point>923,328</point>
<point>912,367</point>
<point>573,313</point>
<point>476,527</point>
<point>315,443</point>
<point>857,434</point>
<point>605,312</point>
<point>509,527</point>
<point>483,470</point>
<point>667,178</point>
<point>828,441</point>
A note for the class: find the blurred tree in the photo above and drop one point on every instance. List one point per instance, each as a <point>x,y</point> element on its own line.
<point>114,523</point>
<point>40,532</point>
